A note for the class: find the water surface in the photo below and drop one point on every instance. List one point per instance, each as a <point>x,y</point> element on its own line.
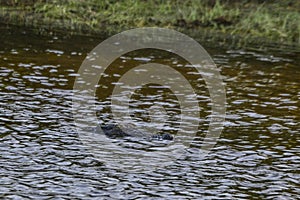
<point>42,156</point>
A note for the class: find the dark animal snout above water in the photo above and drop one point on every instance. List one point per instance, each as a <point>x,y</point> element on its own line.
<point>113,131</point>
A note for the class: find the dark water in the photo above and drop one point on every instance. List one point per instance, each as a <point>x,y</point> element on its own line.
<point>42,157</point>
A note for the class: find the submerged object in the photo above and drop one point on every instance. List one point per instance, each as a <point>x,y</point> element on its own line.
<point>113,131</point>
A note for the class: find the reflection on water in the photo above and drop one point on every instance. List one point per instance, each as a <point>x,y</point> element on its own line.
<point>257,155</point>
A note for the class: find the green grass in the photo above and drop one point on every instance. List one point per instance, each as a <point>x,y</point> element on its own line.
<point>281,26</point>
<point>277,21</point>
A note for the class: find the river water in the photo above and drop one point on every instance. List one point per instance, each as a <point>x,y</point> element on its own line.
<point>256,157</point>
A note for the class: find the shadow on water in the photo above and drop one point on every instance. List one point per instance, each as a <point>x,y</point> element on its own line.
<point>257,155</point>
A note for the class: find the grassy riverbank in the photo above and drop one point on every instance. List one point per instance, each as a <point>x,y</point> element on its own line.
<point>271,20</point>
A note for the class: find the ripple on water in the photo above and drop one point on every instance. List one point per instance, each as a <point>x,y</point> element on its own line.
<point>42,157</point>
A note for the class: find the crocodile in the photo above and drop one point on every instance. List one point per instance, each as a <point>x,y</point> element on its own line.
<point>112,131</point>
